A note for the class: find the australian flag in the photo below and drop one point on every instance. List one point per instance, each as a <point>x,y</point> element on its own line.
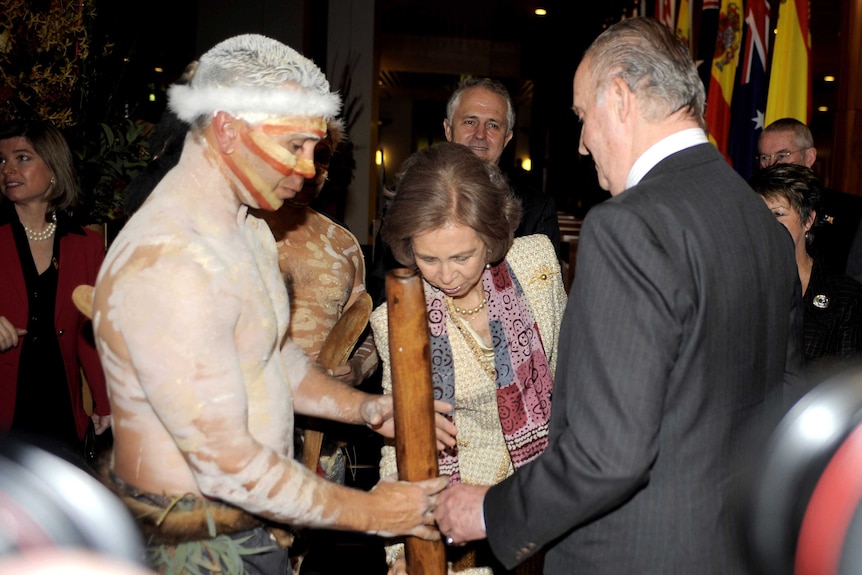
<point>749,96</point>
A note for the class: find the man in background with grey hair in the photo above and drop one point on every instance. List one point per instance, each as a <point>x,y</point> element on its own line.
<point>481,116</point>
<point>682,326</point>
<point>837,237</point>
<point>190,316</point>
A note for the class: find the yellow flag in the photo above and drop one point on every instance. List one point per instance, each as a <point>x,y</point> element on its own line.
<point>683,23</point>
<point>790,71</point>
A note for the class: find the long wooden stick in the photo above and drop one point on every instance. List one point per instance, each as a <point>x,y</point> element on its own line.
<point>413,398</point>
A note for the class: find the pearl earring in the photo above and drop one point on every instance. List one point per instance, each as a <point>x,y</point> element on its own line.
<point>487,266</point>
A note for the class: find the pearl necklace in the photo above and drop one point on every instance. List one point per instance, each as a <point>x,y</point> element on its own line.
<point>487,365</point>
<point>48,232</point>
<point>471,311</point>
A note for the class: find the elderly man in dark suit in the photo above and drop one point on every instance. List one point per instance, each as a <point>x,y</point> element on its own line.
<point>679,342</point>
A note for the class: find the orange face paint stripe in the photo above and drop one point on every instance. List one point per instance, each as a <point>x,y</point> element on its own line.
<point>255,146</point>
<point>271,130</point>
<point>256,188</point>
<point>305,168</point>
<point>314,126</point>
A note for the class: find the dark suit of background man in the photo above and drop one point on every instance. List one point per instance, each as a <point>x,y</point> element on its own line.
<point>789,141</point>
<point>681,332</point>
<point>480,115</point>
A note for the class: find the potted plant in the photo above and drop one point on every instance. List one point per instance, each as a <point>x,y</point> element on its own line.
<point>107,163</point>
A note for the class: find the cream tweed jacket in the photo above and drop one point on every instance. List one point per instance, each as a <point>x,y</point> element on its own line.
<point>482,454</point>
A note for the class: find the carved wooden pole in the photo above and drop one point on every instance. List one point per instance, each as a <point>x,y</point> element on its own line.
<point>413,398</point>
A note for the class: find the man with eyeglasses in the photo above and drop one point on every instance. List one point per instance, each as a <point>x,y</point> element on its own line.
<point>789,141</point>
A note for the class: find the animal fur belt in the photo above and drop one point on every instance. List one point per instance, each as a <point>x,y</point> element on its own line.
<point>174,520</point>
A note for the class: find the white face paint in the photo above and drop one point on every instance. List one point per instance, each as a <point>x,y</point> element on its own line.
<point>190,315</point>
<point>273,159</point>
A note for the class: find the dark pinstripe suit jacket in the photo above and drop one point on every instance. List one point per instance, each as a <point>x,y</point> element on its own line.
<point>682,324</point>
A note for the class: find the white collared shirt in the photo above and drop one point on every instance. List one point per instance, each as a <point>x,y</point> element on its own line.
<point>661,150</point>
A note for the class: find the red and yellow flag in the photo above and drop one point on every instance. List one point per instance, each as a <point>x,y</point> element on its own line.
<point>724,62</point>
<point>790,71</point>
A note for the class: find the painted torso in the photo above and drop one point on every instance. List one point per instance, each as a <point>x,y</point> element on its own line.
<point>323,269</point>
<point>189,310</point>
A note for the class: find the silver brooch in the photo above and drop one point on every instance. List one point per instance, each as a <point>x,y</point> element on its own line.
<point>821,301</point>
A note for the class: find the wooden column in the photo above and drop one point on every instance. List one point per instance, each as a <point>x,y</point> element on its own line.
<point>847,144</point>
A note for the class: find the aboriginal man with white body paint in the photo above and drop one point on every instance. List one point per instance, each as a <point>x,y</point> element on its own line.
<point>191,312</point>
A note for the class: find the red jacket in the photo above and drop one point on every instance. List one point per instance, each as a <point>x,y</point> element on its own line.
<point>81,254</point>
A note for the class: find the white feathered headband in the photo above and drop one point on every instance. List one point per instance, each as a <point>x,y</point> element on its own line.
<point>254,77</point>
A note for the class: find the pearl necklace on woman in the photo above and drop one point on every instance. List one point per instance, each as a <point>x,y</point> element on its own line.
<point>48,232</point>
<point>472,310</point>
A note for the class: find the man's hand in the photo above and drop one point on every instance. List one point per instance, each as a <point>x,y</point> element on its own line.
<point>407,508</point>
<point>378,414</point>
<point>459,513</point>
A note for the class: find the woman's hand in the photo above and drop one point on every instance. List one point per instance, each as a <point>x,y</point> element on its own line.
<point>9,334</point>
<point>101,423</point>
<point>378,414</point>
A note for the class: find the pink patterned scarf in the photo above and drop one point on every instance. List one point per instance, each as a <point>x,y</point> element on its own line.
<point>524,382</point>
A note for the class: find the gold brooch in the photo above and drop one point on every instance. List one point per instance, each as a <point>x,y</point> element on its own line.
<point>542,274</point>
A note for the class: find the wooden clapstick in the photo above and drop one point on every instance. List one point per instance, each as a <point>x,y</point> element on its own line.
<point>82,297</point>
<point>335,351</point>
<point>413,398</point>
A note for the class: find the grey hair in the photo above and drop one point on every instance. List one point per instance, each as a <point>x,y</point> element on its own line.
<point>489,84</point>
<point>654,64</point>
<point>801,133</point>
<point>252,75</point>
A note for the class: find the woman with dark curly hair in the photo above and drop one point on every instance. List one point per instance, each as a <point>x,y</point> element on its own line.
<point>45,342</point>
<point>832,321</point>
